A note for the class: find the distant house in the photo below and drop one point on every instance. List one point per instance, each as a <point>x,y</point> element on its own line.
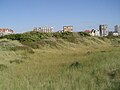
<point>67,28</point>
<point>5,31</point>
<point>95,32</point>
<point>88,31</point>
<point>44,29</point>
<point>115,34</point>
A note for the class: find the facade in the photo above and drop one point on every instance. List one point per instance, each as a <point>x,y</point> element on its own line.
<point>103,30</point>
<point>44,29</point>
<point>67,28</point>
<point>115,34</point>
<point>5,31</point>
<point>117,29</point>
<point>95,32</point>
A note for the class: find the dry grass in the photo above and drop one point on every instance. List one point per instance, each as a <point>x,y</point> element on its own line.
<point>50,69</point>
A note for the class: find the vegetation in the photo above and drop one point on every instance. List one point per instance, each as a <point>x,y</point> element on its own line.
<point>37,61</point>
<point>36,39</point>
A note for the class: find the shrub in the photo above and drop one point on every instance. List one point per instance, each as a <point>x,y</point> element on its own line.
<point>13,36</point>
<point>28,36</point>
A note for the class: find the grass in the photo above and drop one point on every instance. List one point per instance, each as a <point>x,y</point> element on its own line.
<point>92,64</point>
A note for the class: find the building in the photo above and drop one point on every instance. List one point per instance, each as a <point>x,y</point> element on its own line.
<point>95,32</point>
<point>5,31</point>
<point>103,30</point>
<point>88,31</point>
<point>115,34</point>
<point>117,29</point>
<point>67,28</point>
<point>44,29</point>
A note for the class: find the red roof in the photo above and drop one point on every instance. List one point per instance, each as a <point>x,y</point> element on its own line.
<point>87,31</point>
<point>6,30</point>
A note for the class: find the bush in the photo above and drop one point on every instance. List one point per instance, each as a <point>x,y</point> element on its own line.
<point>13,36</point>
<point>36,39</point>
<point>28,36</point>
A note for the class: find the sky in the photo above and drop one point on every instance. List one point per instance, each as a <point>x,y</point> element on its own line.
<point>24,15</point>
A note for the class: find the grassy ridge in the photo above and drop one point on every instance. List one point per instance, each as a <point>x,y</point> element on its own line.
<point>38,40</point>
<point>86,63</point>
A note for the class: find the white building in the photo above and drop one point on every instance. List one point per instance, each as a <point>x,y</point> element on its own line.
<point>95,32</point>
<point>115,34</point>
<point>103,30</point>
<point>117,29</point>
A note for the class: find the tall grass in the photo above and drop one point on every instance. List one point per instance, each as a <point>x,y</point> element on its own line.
<point>49,69</point>
<point>60,64</point>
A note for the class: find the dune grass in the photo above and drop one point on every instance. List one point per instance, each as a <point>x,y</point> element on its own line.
<point>90,65</point>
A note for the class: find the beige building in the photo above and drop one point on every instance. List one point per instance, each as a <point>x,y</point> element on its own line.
<point>67,28</point>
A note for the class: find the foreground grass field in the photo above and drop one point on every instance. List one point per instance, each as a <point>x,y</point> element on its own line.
<point>70,67</point>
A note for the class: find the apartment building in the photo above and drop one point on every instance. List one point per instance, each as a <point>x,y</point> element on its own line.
<point>117,29</point>
<point>67,28</point>
<point>103,30</point>
<point>44,29</point>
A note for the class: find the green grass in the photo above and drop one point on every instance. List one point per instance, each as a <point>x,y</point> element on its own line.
<point>55,68</point>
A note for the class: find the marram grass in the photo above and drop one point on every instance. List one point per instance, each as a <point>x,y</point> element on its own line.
<point>73,67</point>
